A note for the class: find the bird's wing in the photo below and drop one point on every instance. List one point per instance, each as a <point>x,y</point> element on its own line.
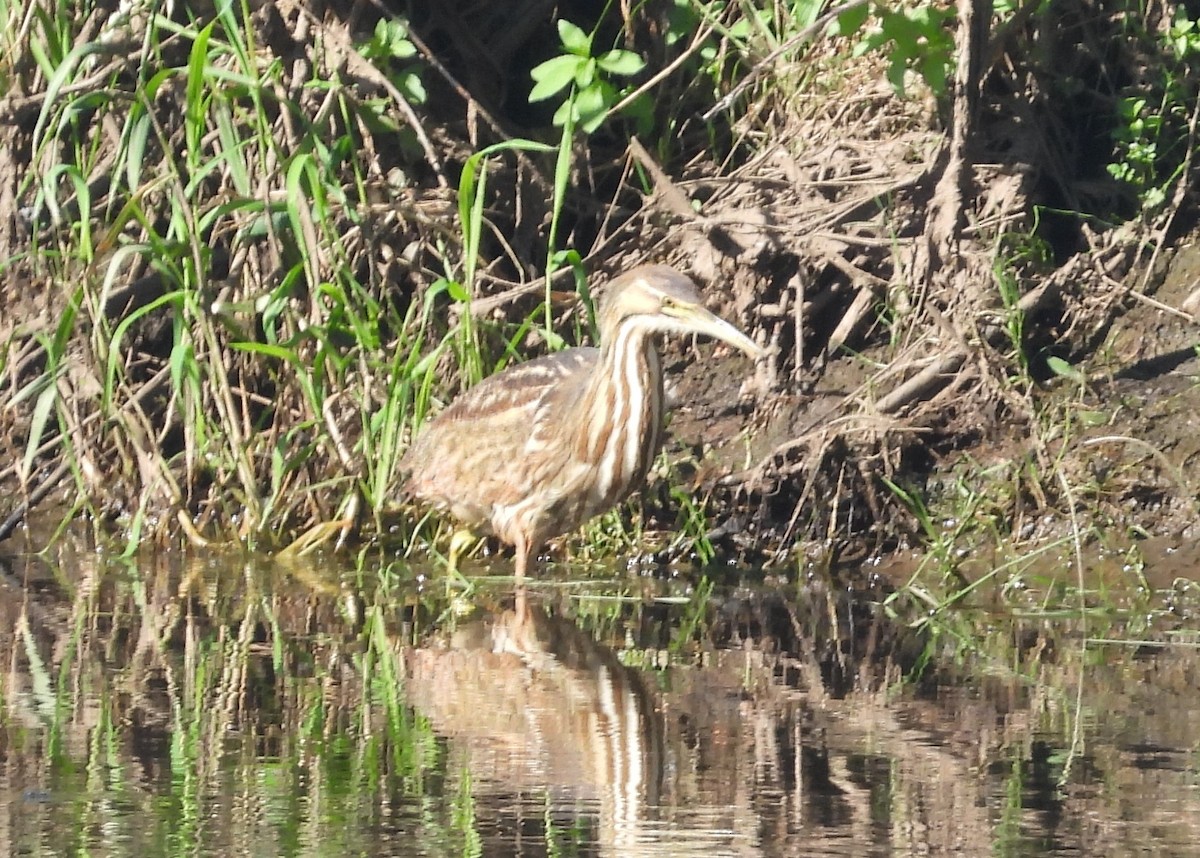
<point>481,450</point>
<point>519,387</point>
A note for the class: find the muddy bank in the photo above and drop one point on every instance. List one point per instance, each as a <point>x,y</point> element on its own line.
<point>970,318</point>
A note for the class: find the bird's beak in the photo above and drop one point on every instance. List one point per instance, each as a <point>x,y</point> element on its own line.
<point>701,321</point>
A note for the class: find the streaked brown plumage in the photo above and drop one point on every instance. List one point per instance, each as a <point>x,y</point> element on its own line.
<point>537,450</point>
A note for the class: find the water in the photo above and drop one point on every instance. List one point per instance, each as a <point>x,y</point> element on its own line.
<point>231,706</point>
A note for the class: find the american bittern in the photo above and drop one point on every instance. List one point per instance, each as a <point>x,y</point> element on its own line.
<point>537,450</point>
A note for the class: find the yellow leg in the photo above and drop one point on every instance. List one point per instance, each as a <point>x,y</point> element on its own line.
<point>458,588</point>
<point>460,544</point>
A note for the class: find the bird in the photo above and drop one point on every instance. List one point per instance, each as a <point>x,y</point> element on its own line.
<point>536,450</point>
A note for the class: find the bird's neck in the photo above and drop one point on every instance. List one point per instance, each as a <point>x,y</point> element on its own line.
<point>621,434</point>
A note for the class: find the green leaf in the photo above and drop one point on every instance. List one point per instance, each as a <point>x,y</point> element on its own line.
<point>590,123</point>
<point>413,88</point>
<point>895,74</point>
<point>849,23</point>
<point>390,41</point>
<point>60,77</point>
<point>398,44</point>
<point>574,39</point>
<point>585,75</point>
<point>553,75</point>
<point>805,12</point>
<point>924,16</point>
<point>137,135</point>
<point>1060,367</point>
<point>37,426</point>
<point>592,107</point>
<point>267,350</point>
<point>741,30</point>
<point>565,111</point>
<point>621,62</point>
<point>403,49</point>
<point>195,106</point>
<point>933,69</point>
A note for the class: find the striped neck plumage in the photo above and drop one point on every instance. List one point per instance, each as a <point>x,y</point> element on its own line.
<point>625,420</point>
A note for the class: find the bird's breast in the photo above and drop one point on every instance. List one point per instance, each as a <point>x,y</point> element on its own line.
<point>624,418</point>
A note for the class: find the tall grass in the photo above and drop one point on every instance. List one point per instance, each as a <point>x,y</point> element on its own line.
<point>259,353</point>
<point>258,333</point>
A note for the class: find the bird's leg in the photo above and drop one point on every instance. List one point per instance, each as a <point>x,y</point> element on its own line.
<point>460,543</point>
<point>520,608</point>
<point>522,560</point>
<point>524,550</point>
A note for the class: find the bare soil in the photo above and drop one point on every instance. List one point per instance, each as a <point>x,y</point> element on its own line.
<point>1126,435</point>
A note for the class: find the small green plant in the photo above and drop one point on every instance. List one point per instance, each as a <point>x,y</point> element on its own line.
<point>390,47</point>
<point>694,526</point>
<point>1137,139</point>
<point>940,542</point>
<point>589,100</point>
<point>1017,253</point>
<point>472,194</point>
<point>917,39</point>
<point>751,29</point>
<point>1014,316</point>
<point>591,96</point>
<point>1149,139</point>
<point>616,533</point>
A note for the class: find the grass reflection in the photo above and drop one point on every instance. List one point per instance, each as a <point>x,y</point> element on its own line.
<point>232,705</point>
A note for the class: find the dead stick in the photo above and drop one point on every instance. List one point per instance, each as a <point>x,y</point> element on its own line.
<point>933,376</point>
<point>35,497</point>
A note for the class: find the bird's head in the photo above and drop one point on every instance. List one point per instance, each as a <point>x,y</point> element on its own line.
<point>660,299</point>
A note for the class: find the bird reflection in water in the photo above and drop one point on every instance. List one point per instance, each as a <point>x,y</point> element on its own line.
<point>542,710</point>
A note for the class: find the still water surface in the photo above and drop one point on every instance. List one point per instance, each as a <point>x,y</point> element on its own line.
<point>227,706</point>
